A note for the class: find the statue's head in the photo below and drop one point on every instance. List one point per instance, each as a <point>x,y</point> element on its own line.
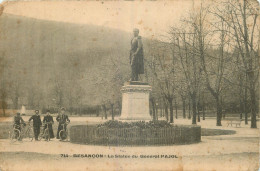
<point>136,32</point>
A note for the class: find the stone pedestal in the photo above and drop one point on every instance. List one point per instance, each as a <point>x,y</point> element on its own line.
<point>135,101</point>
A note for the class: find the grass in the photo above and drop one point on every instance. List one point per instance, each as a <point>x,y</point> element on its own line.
<point>213,132</point>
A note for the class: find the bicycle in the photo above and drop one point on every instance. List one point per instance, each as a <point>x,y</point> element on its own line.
<point>18,134</point>
<point>27,132</point>
<point>15,134</point>
<point>64,132</point>
<point>45,132</point>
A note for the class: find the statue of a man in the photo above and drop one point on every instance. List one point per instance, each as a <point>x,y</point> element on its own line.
<point>136,56</point>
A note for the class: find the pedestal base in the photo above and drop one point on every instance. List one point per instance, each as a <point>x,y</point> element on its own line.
<point>135,101</point>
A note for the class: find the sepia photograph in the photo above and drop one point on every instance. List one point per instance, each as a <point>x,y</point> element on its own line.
<point>103,85</point>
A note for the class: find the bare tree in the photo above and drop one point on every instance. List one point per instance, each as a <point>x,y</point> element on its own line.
<point>185,43</point>
<point>211,61</point>
<point>241,18</point>
<point>182,91</point>
<point>162,65</point>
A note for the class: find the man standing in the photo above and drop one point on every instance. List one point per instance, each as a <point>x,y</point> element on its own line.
<point>18,121</point>
<point>62,119</point>
<point>36,124</point>
<point>48,120</point>
<point>136,56</point>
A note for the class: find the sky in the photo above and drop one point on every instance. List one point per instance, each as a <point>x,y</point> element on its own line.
<point>153,18</point>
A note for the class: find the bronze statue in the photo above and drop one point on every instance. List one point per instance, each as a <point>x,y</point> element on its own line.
<point>136,56</point>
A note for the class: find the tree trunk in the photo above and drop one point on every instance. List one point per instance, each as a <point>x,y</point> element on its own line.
<point>198,106</point>
<point>189,117</point>
<point>253,108</point>
<point>97,112</point>
<point>194,104</point>
<point>198,110</point>
<point>120,107</point>
<point>166,112</point>
<point>219,111</point>
<point>245,105</point>
<point>198,113</point>
<point>112,111</point>
<point>183,108</point>
<point>161,111</point>
<point>105,111</point>
<point>153,109</point>
<point>176,109</point>
<point>241,107</point>
<point>223,111</point>
<point>156,112</point>
<point>171,109</point>
<point>250,70</point>
<point>203,110</point>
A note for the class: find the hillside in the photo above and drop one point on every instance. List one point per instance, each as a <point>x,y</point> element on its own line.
<point>38,52</point>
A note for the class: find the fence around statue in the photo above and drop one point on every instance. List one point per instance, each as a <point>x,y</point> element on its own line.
<point>92,134</point>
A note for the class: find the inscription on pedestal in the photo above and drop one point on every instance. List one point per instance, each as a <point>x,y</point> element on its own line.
<point>135,101</point>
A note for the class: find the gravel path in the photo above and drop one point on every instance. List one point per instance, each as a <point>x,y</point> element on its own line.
<point>239,151</point>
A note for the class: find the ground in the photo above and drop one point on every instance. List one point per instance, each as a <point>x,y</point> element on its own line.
<point>235,152</point>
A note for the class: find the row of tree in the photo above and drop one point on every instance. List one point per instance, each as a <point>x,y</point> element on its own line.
<point>214,50</point>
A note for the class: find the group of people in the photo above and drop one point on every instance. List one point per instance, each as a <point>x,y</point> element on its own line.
<point>47,121</point>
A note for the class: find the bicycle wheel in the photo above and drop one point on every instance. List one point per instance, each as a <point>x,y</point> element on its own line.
<point>47,134</point>
<point>62,135</point>
<point>15,135</point>
<point>30,134</point>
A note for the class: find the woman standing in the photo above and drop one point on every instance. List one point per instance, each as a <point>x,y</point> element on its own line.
<point>49,120</point>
